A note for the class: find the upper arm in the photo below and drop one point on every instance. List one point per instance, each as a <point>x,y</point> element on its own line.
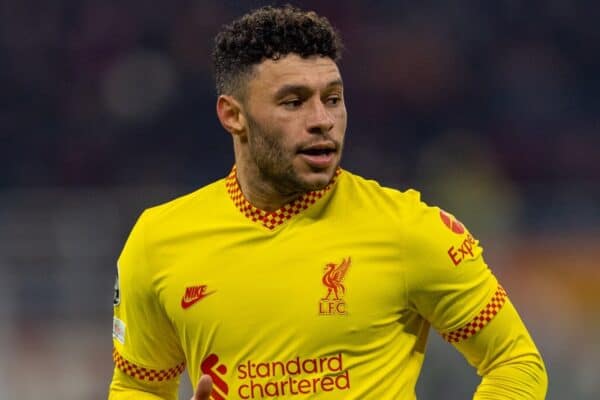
<point>125,387</point>
<point>448,282</point>
<point>450,285</point>
<point>146,346</point>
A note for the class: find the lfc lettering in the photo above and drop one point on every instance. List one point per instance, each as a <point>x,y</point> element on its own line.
<point>336,307</point>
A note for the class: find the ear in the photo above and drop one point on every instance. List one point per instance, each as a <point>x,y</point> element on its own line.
<point>229,111</point>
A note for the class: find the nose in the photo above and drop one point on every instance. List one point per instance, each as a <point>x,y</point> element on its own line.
<point>319,120</point>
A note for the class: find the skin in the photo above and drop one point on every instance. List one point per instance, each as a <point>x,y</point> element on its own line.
<point>203,389</point>
<point>289,106</point>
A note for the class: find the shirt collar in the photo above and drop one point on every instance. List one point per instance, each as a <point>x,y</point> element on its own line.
<point>273,219</point>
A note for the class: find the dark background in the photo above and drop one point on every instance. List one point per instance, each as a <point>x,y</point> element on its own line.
<point>490,109</point>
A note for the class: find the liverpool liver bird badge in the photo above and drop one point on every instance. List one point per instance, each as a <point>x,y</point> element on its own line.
<point>334,277</point>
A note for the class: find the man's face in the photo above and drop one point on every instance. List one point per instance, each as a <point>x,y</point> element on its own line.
<point>296,122</point>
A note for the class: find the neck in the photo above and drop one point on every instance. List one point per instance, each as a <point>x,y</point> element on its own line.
<point>260,193</point>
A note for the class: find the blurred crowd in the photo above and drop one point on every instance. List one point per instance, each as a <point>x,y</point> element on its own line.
<point>100,92</point>
<point>490,109</point>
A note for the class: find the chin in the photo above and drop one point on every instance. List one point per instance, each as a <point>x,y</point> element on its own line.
<point>316,180</point>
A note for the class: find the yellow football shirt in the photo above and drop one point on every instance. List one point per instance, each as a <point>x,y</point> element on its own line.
<point>330,297</point>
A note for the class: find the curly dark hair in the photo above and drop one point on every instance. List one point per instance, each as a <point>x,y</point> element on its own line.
<point>269,33</point>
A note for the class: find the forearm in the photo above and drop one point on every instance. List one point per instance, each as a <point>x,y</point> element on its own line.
<point>124,387</point>
<point>527,381</point>
<point>507,359</point>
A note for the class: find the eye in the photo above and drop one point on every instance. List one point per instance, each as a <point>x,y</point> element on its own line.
<point>292,103</point>
<point>334,100</point>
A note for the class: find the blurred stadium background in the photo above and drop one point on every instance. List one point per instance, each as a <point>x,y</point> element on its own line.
<point>490,109</point>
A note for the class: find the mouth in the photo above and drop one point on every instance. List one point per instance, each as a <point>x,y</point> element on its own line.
<point>318,150</point>
<point>319,156</point>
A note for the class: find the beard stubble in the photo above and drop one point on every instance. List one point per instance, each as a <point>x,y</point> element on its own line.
<point>274,163</point>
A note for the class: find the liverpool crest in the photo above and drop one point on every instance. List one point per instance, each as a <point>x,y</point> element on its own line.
<point>333,303</point>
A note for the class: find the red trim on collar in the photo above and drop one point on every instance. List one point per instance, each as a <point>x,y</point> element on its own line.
<point>272,219</point>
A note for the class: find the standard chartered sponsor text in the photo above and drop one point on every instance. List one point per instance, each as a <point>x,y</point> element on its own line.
<point>292,377</point>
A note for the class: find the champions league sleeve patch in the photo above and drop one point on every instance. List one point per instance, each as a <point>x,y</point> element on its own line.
<point>118,331</point>
<point>116,294</point>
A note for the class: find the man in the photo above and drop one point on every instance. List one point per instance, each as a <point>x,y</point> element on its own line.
<point>292,278</point>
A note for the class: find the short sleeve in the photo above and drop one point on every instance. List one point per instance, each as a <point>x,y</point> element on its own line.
<point>146,346</point>
<point>448,281</point>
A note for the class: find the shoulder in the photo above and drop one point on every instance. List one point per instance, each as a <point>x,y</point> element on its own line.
<point>425,229</point>
<point>159,225</point>
<point>436,238</point>
<point>369,193</point>
<point>189,206</point>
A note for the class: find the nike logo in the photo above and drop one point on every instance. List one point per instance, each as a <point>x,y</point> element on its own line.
<point>194,294</point>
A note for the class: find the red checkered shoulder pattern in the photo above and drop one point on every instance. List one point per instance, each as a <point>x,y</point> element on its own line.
<point>146,374</point>
<point>481,320</point>
<point>272,220</point>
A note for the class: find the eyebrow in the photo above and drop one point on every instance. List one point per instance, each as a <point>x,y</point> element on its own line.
<point>285,89</point>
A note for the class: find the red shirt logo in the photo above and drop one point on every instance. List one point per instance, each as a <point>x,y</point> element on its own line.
<point>210,366</point>
<point>465,249</point>
<point>279,378</point>
<point>452,223</point>
<point>194,294</point>
<point>333,279</point>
